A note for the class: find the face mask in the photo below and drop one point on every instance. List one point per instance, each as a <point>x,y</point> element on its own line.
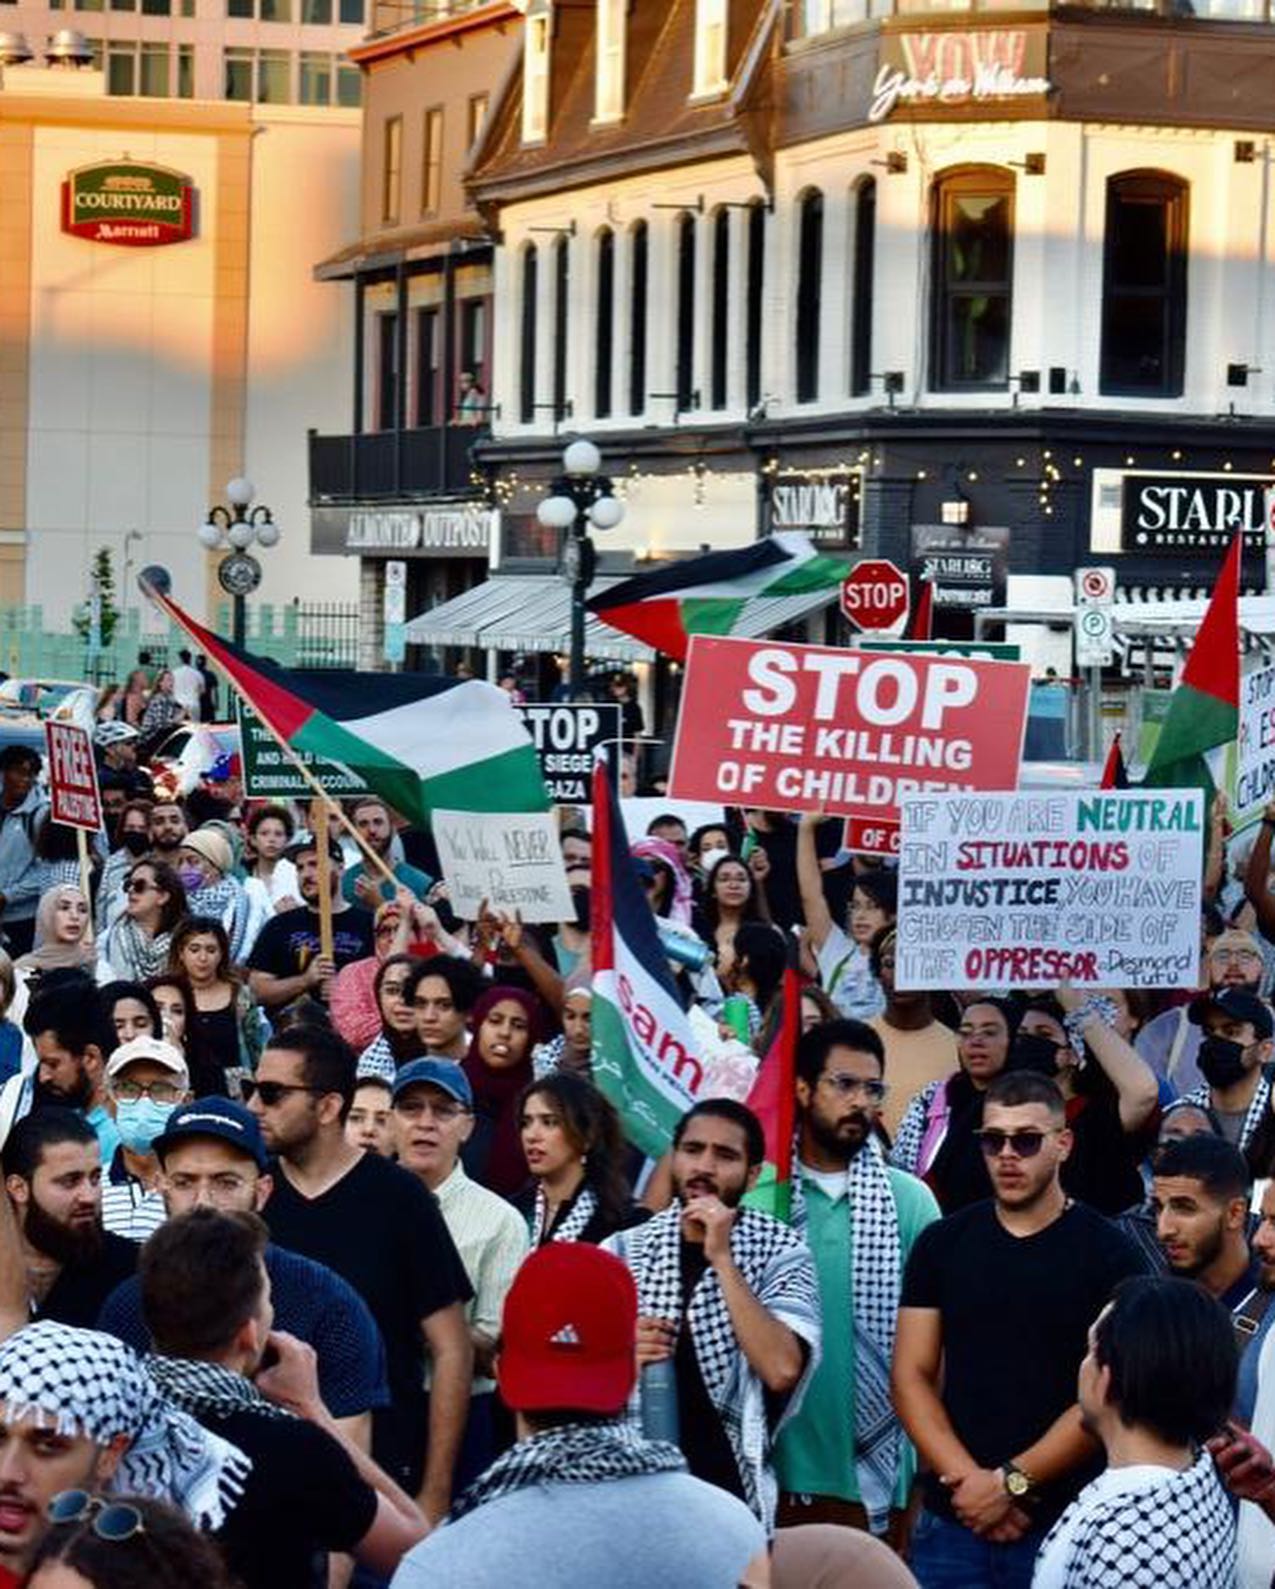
<point>192,878</point>
<point>135,843</point>
<point>139,1122</point>
<point>1221,1061</point>
<point>709,858</point>
<point>580,898</point>
<point>1034,1051</point>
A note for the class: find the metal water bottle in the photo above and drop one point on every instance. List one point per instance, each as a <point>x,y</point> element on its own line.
<point>658,1396</point>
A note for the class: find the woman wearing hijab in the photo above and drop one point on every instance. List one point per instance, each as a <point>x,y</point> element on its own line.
<point>499,1067</point>
<point>63,935</point>
<point>205,864</point>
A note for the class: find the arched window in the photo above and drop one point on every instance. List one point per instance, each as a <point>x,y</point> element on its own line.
<point>721,310</point>
<point>684,383</point>
<point>639,249</point>
<point>604,324</point>
<point>1144,261</point>
<point>809,287</point>
<point>973,225</point>
<point>527,339</point>
<point>865,242</point>
<point>753,304</point>
<point>561,327</point>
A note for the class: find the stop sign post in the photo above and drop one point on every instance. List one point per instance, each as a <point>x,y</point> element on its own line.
<point>874,595</point>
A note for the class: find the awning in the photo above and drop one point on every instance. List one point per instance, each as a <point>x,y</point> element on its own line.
<point>532,612</point>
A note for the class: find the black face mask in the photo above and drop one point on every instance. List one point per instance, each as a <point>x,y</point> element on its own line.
<point>1034,1051</point>
<point>1221,1061</point>
<point>135,843</point>
<point>581,899</point>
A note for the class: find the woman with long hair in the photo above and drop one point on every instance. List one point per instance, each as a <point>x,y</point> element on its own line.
<point>504,1023</point>
<point>131,1009</point>
<point>179,1025</point>
<point>398,1040</point>
<point>574,1150</point>
<point>136,694</point>
<point>226,1014</point>
<point>63,935</point>
<point>124,1542</point>
<point>163,709</point>
<point>135,946</point>
<point>732,896</point>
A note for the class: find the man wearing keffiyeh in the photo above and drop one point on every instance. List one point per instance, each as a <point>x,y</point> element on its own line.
<point>730,1295</point>
<point>843,1457</point>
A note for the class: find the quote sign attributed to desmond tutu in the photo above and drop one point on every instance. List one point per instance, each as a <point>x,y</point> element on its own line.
<point>1101,888</point>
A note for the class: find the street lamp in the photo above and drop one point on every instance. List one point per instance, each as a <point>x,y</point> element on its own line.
<point>235,529</point>
<point>580,498</point>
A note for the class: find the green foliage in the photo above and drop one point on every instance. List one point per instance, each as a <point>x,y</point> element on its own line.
<point>103,575</point>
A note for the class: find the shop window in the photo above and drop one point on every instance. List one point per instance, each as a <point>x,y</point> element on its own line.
<point>973,242</point>
<point>1144,283</point>
<point>684,347</point>
<point>719,347</point>
<point>527,340</point>
<point>639,264</point>
<point>809,288</point>
<point>862,273</point>
<point>753,305</point>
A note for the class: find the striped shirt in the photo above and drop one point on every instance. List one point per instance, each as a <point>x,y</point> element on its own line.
<point>492,1239</point>
<point>128,1209</point>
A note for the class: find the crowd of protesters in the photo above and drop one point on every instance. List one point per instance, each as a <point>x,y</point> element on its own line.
<point>337,1266</point>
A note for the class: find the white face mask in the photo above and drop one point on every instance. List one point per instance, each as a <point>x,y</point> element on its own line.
<point>708,859</point>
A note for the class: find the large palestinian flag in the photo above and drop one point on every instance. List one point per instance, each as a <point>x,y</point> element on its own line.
<point>774,1101</point>
<point>711,594</point>
<point>420,741</point>
<point>644,1056</point>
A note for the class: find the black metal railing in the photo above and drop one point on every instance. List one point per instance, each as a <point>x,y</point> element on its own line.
<point>392,464</point>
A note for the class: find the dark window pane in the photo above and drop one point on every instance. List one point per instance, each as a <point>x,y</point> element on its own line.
<point>637,318</point>
<point>604,326</point>
<point>426,367</point>
<point>865,234</point>
<point>1144,286</point>
<point>527,355</point>
<point>561,328</point>
<point>973,268</point>
<point>979,331</point>
<point>979,238</point>
<point>1133,347</point>
<point>809,288</point>
<point>1139,244</point>
<point>721,309</point>
<point>685,368</point>
<point>387,372</point>
<point>753,312</point>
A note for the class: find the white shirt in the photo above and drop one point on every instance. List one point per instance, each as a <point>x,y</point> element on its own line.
<point>1257,1532</point>
<point>188,686</point>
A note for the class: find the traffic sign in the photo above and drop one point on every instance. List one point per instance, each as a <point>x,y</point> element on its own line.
<point>874,595</point>
<point>1095,587</point>
<point>1095,646</point>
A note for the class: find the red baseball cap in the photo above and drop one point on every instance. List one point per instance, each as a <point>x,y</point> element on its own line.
<point>569,1332</point>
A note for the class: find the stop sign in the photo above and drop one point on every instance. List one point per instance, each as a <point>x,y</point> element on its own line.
<point>874,594</point>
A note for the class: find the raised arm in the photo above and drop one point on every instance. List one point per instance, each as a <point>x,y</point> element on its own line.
<point>814,904</point>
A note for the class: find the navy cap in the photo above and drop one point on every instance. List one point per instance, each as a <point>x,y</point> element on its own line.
<point>1238,1005</point>
<point>441,1073</point>
<point>223,1118</point>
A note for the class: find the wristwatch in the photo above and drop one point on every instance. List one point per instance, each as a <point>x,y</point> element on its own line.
<point>1019,1485</point>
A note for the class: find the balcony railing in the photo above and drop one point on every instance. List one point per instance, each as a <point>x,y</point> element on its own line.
<point>392,464</point>
<point>388,16</point>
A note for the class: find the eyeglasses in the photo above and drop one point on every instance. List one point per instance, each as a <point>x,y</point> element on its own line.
<point>1231,957</point>
<point>138,885</point>
<point>274,1092</point>
<point>1022,1144</point>
<point>156,1091</point>
<point>113,1521</point>
<point>854,1086</point>
<point>415,1108</point>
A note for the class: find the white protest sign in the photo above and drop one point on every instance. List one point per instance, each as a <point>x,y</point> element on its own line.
<point>1255,767</point>
<point>511,859</point>
<point>1101,887</point>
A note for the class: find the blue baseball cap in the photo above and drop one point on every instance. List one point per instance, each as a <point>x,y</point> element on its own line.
<point>223,1118</point>
<point>441,1073</point>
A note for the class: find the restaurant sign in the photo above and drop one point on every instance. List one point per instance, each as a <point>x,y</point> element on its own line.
<point>136,206</point>
<point>959,67</point>
<point>1173,514</point>
<point>825,507</point>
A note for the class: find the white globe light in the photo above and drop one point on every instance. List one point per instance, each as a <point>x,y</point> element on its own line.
<point>209,535</point>
<point>268,533</point>
<point>606,513</point>
<point>240,536</point>
<point>581,457</point>
<point>240,491</point>
<point>557,513</point>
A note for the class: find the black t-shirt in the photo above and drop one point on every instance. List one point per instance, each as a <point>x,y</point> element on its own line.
<point>1016,1312</point>
<point>77,1295</point>
<point>782,893</point>
<point>1102,1167</point>
<point>303,1498</point>
<point>382,1230</point>
<point>700,1433</point>
<point>288,942</point>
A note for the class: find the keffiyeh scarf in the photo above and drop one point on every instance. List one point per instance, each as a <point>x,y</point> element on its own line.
<point>571,1226</point>
<point>133,954</point>
<point>84,1383</point>
<point>376,1062</point>
<point>778,1269</point>
<point>1202,1098</point>
<point>574,1454</point>
<point>225,901</point>
<point>207,1390</point>
<point>874,1291</point>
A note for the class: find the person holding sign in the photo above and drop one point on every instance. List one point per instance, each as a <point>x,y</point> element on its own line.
<point>286,963</point>
<point>844,962</point>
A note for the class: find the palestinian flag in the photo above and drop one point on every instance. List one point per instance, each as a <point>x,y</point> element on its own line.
<point>1114,773</point>
<point>419,741</point>
<point>712,594</point>
<point>774,1100</point>
<point>1204,711</point>
<point>922,625</point>
<point>644,1056</point>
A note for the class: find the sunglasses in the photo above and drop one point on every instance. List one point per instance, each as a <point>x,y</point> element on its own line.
<point>273,1092</point>
<point>851,1086</point>
<point>1022,1144</point>
<point>138,886</point>
<point>113,1521</point>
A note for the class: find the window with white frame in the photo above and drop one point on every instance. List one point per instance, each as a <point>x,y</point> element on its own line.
<point>535,77</point>
<point>609,98</point>
<point>710,47</point>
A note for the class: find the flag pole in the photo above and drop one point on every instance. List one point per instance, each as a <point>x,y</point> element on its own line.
<point>319,809</point>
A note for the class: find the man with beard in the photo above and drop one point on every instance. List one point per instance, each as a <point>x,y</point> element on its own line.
<point>1170,1041</point>
<point>1233,1058</point>
<point>996,1307</point>
<point>1263,1245</point>
<point>168,828</point>
<point>730,1295</point>
<point>362,884</point>
<point>287,963</point>
<point>73,1038</point>
<point>56,1261</point>
<point>843,1458</point>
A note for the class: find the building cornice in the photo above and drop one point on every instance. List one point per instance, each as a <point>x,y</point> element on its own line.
<point>408,40</point>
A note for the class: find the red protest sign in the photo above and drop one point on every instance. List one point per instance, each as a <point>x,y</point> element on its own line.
<point>875,594</point>
<point>799,728</point>
<point>74,798</point>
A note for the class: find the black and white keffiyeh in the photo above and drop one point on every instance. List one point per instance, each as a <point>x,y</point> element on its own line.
<point>377,1062</point>
<point>874,1293</point>
<point>584,1205</point>
<point>778,1269</point>
<point>1202,1098</point>
<point>573,1454</point>
<point>84,1383</point>
<point>207,1390</point>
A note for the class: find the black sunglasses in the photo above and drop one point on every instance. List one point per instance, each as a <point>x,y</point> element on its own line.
<point>1022,1144</point>
<point>113,1521</point>
<point>273,1092</point>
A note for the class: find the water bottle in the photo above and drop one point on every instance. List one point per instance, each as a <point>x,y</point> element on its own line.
<point>735,1014</point>
<point>682,946</point>
<point>658,1396</point>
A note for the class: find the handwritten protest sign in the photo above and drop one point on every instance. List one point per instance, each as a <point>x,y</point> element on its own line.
<point>1102,888</point>
<point>796,727</point>
<point>1255,765</point>
<point>73,797</point>
<point>510,859</point>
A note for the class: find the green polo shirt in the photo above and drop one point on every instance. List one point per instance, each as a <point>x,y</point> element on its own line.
<point>815,1451</point>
